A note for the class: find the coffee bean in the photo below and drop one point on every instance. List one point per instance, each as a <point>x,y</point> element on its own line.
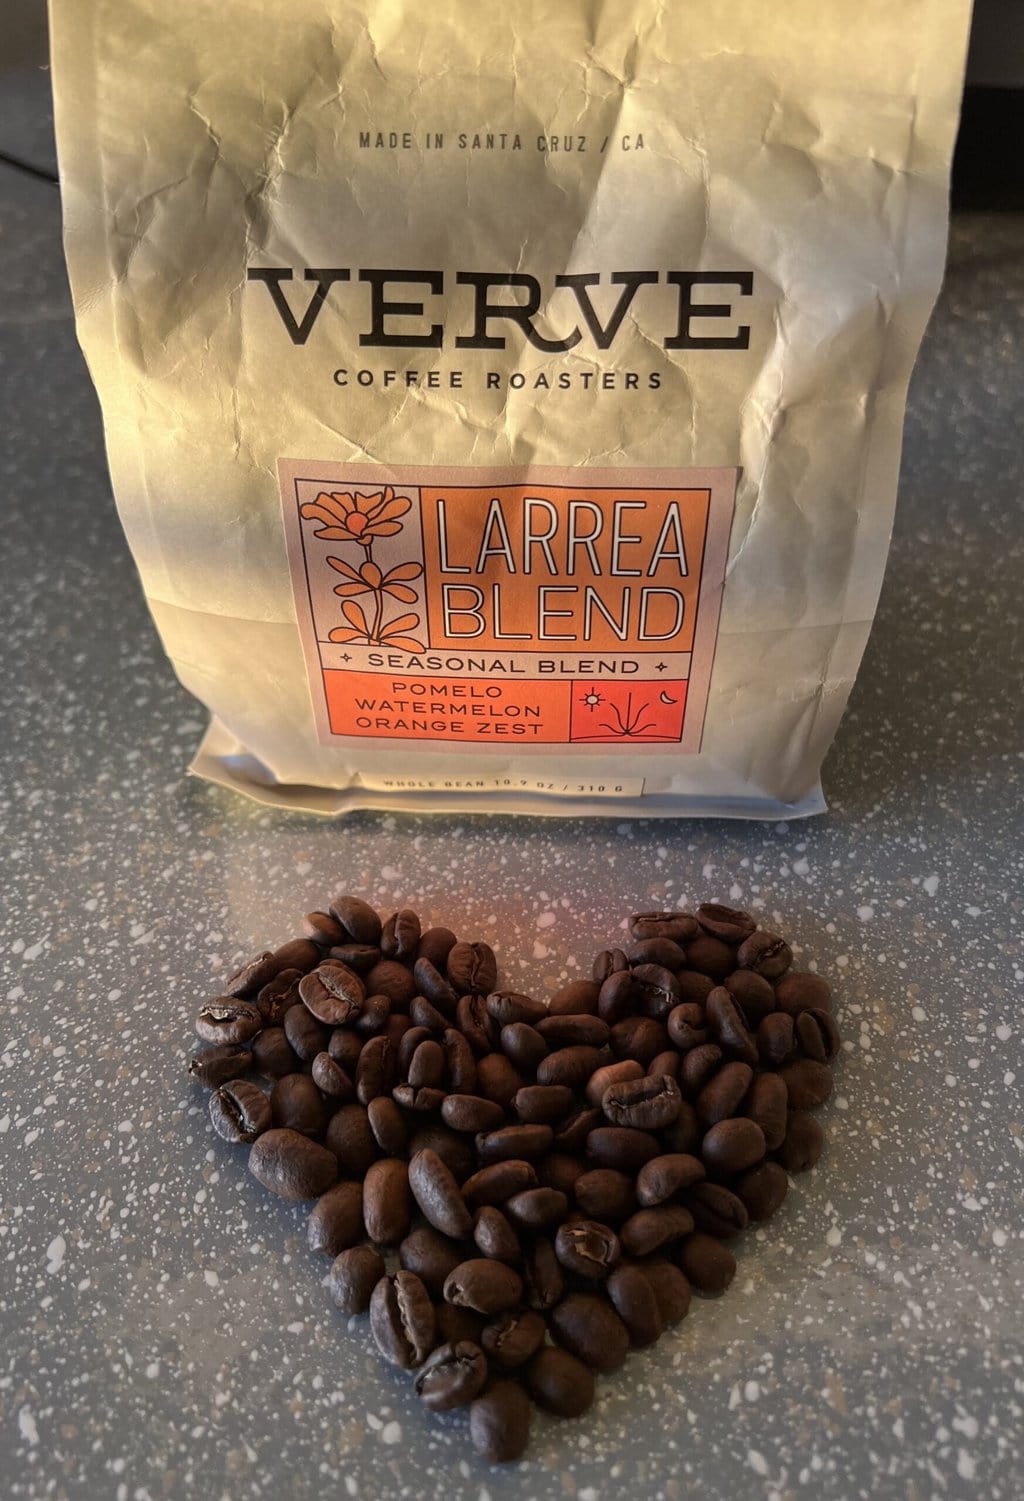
<point>621,1147</point>
<point>388,1126</point>
<point>251,976</point>
<point>542,1274</point>
<point>776,1039</point>
<point>649,1104</point>
<point>494,1236</point>
<point>306,1036</point>
<point>333,993</point>
<point>611,1073</point>
<point>459,1062</point>
<point>679,926</point>
<point>684,1133</point>
<point>451,1376</point>
<point>608,962</point>
<point>454,1150</point>
<point>570,1066</point>
<point>575,998</point>
<point>715,1210</point>
<point>240,1111</point>
<point>511,1339</point>
<point>432,985</point>
<point>476,1024</point>
<point>336,1223</point>
<point>708,1265</point>
<point>298,1105</point>
<point>398,1027</point>
<point>694,988</point>
<point>728,1026</point>
<point>436,944</point>
<point>423,1101</point>
<point>662,951</point>
<point>588,1248</point>
<point>727,923</point>
<point>455,1324</point>
<point>466,1112</point>
<point>375,1071</point>
<point>656,989</point>
<point>665,1066</point>
<point>605,1194</point>
<point>732,1146</point>
<point>808,1084</point>
<point>671,1290</point>
<point>351,1139</point>
<point>803,1144</point>
<point>518,1142</point>
<point>488,1286</point>
<point>818,1035</point>
<point>400,936</point>
<point>498,1182</point>
<point>559,1170</point>
<point>616,997</point>
<point>329,1077</point>
<point>589,1328</point>
<point>523,1045</point>
<point>506,1007</point>
<point>438,1195</point>
<point>358,918</point>
<point>402,1320</point>
<point>426,1017</point>
<point>633,1299</point>
<point>277,995</point>
<point>431,1256</point>
<point>375,1017</point>
<point>354,1275</point>
<point>426,1067</point>
<point>762,1190</point>
<point>571,1134</point>
<point>472,969</point>
<point>663,1177</point>
<point>798,992</point>
<point>699,1067</point>
<point>219,1065</point>
<point>686,1026</point>
<point>765,953</point>
<point>498,1079</point>
<point>723,1095</point>
<point>323,928</point>
<point>573,1031</point>
<point>638,1037</point>
<point>754,995</point>
<point>225,1020</point>
<point>344,1047</point>
<point>387,1202</point>
<point>649,1229</point>
<point>499,1422</point>
<point>710,956</point>
<point>542,1104</point>
<point>291,1165</point>
<point>559,1383</point>
<point>391,979</point>
<point>537,1208</point>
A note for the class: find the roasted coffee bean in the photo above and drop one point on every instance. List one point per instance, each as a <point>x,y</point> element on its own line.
<point>766,1103</point>
<point>542,1104</point>
<point>665,1066</point>
<point>715,1210</point>
<point>472,968</point>
<point>431,1256</point>
<point>240,1111</point>
<point>498,1182</point>
<point>476,1024</point>
<point>323,928</point>
<point>537,1208</point>
<point>754,995</point>
<point>679,926</point>
<point>467,1112</point>
<point>392,979</point>
<point>298,1105</point>
<point>488,1286</point>
<point>351,1139</point>
<point>542,1274</point>
<point>571,1134</point>
<point>633,1299</point>
<point>571,1066</point>
<point>426,1017</point>
<point>329,1077</point>
<point>709,1266</point>
<point>424,1101</point>
<point>251,976</point>
<point>663,1177</point>
<point>762,1189</point>
<point>455,1324</point>
<point>765,953</point>
<point>336,1221</point>
<point>559,1170</point>
<point>589,1328</point>
<point>511,1339</point>
<point>374,1017</point>
<point>498,1079</point>
<point>219,1065</point>
<point>358,956</point>
<point>684,1133</point>
<point>649,1229</point>
<point>454,1150</point>
<point>397,1026</point>
<point>608,962</point>
<point>375,1071</point>
<point>291,1165</point>
<point>808,1084</point>
<point>451,1376</point>
<point>776,1039</point>
<point>732,1146</point>
<point>524,1045</point>
<point>559,1383</point>
<point>611,1074</point>
<point>686,1026</point>
<point>803,1144</point>
<point>575,998</point>
<point>616,997</point>
<point>301,954</point>
<point>506,1007</point>
<point>387,1202</point>
<point>499,1422</point>
<point>459,1062</point>
<point>710,956</point>
<point>662,951</point>
<point>436,944</point>
<point>587,1248</point>
<point>621,1147</point>
<point>649,1104</point>
<point>438,1195</point>
<point>358,918</point>
<point>494,1236</point>
<point>333,993</point>
<point>306,1036</point>
<point>656,989</point>
<point>344,1047</point>
<point>605,1194</point>
<point>354,1275</point>
<point>402,1320</point>
<point>694,988</point>
<point>727,923</point>
<point>514,1142</point>
<point>275,998</point>
<point>728,1026</point>
<point>226,1020</point>
<point>638,1037</point>
<point>817,1035</point>
<point>388,1126</point>
<point>431,983</point>
<point>800,991</point>
<point>671,1290</point>
<point>723,1094</point>
<point>572,1031</point>
<point>400,936</point>
<point>426,1066</point>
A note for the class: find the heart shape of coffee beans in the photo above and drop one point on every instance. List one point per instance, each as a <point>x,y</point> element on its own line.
<point>519,1192</point>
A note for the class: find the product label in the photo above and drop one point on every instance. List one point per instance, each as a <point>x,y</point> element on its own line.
<point>575,608</point>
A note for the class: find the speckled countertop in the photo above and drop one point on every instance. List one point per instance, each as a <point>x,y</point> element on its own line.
<point>164,1331</point>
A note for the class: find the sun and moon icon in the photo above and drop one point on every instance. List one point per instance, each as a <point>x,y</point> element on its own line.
<point>627,712</point>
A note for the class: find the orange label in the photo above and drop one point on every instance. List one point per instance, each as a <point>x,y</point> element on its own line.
<point>508,609</point>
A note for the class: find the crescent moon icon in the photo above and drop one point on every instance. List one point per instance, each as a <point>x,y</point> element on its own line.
<point>666,700</point>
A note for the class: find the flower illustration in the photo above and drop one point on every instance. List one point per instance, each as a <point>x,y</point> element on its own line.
<point>369,578</point>
<point>346,517</point>
<point>391,634</point>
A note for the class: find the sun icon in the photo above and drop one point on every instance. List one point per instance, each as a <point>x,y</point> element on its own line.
<point>591,699</point>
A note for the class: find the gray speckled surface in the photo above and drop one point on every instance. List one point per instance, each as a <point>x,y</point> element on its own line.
<point>164,1331</point>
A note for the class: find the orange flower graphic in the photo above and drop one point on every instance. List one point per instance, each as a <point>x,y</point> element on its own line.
<point>369,578</point>
<point>391,634</point>
<point>345,517</point>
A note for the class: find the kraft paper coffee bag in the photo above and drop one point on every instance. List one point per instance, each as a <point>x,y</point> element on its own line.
<point>503,403</point>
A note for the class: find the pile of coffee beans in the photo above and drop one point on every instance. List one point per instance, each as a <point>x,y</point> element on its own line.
<point>517,1192</point>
